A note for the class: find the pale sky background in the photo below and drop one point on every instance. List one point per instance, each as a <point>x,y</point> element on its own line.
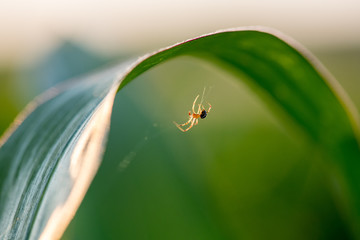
<point>30,28</point>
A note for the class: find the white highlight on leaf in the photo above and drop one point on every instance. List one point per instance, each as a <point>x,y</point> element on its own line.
<point>84,164</point>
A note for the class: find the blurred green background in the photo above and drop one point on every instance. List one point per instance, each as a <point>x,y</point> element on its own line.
<point>242,173</point>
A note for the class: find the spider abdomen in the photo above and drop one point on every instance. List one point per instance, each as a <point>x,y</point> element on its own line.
<point>203,114</point>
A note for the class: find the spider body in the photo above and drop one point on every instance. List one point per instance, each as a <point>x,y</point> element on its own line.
<point>194,116</point>
<point>203,114</point>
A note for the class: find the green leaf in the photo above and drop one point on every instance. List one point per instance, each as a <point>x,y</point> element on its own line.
<point>51,154</point>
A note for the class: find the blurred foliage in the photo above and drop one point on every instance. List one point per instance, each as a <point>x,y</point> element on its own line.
<point>263,182</point>
<point>20,86</point>
<point>8,105</point>
<point>260,183</point>
<point>70,60</point>
<point>344,64</point>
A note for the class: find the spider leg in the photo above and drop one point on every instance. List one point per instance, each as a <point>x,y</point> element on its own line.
<point>183,124</point>
<point>196,121</point>
<point>191,125</point>
<point>179,127</point>
<point>199,109</point>
<point>209,107</point>
<point>194,103</point>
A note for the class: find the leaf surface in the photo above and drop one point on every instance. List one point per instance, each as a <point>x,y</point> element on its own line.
<point>51,154</point>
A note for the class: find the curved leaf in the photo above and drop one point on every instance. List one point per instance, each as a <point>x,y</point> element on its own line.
<point>49,160</point>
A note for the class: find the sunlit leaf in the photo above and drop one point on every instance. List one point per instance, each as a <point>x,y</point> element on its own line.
<point>51,154</point>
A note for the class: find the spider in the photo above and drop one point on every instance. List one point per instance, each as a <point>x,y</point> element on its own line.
<point>194,116</point>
